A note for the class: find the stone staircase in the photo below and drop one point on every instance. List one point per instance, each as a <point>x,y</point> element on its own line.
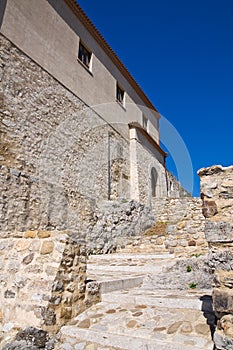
<point>140,309</point>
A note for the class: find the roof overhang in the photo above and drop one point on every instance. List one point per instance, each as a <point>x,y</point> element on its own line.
<point>137,126</point>
<point>83,18</point>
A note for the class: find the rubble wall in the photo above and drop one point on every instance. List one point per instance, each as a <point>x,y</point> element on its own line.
<point>217,195</point>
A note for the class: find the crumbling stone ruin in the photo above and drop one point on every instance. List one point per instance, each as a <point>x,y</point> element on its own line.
<point>217,195</point>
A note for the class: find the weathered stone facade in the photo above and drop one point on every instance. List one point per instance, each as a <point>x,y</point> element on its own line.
<point>178,229</point>
<point>217,194</point>
<point>66,179</point>
<point>59,161</point>
<point>48,189</point>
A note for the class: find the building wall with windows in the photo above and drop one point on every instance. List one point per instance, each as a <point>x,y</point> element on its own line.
<point>58,37</point>
<point>51,33</point>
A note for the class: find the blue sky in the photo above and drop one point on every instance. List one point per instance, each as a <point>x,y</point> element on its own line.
<point>181,54</point>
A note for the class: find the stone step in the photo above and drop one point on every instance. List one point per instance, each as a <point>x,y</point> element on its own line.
<point>132,323</point>
<point>130,269</point>
<point>121,256</point>
<point>124,271</point>
<point>199,300</point>
<point>111,285</point>
<point>126,342</point>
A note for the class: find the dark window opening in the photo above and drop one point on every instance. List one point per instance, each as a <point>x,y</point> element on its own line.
<point>84,55</point>
<point>154,178</point>
<point>145,122</point>
<point>120,95</point>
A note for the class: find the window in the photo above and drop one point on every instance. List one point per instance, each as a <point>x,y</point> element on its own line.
<point>120,95</point>
<point>145,122</point>
<point>84,55</point>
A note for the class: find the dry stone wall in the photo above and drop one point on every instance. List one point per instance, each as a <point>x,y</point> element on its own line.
<point>42,281</point>
<point>184,224</point>
<point>217,194</point>
<point>178,229</point>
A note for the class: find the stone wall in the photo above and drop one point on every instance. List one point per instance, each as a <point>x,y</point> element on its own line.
<point>175,189</point>
<point>185,224</point>
<point>117,223</point>
<point>178,229</point>
<point>42,281</point>
<point>146,161</point>
<point>217,194</point>
<point>57,161</point>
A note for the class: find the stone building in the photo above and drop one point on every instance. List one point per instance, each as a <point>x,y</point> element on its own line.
<point>76,130</point>
<point>57,39</point>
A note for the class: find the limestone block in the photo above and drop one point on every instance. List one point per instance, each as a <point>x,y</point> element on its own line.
<point>209,209</point>
<point>222,342</point>
<point>28,259</point>
<point>181,225</point>
<point>22,244</point>
<point>226,324</point>
<point>223,279</point>
<point>223,301</point>
<point>218,232</point>
<point>47,247</point>
<point>43,234</point>
<point>29,234</point>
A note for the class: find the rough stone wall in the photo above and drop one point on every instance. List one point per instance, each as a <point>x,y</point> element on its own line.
<point>178,228</point>
<point>217,194</point>
<point>117,223</point>
<point>184,224</point>
<point>175,190</point>
<point>48,132</point>
<point>42,281</point>
<point>55,163</point>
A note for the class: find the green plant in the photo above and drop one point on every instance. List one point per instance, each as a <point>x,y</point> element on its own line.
<point>192,285</point>
<point>124,200</point>
<point>188,268</point>
<point>196,255</point>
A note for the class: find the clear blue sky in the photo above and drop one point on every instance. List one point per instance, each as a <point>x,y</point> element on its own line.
<point>181,54</point>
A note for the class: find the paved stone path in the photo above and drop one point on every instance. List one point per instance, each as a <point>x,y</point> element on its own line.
<point>134,315</point>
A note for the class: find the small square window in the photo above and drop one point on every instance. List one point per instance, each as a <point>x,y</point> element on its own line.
<point>84,55</point>
<point>120,95</point>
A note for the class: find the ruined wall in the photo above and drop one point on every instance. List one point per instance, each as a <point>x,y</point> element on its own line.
<point>178,229</point>
<point>175,189</point>
<point>185,224</point>
<point>217,194</point>
<point>117,223</point>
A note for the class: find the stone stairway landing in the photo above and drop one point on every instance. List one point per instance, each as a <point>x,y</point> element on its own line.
<point>140,316</point>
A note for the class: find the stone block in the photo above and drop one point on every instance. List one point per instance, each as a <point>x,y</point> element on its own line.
<point>29,234</point>
<point>28,259</point>
<point>209,209</point>
<point>22,244</point>
<point>219,232</point>
<point>47,247</point>
<point>223,300</point>
<point>44,234</point>
<point>222,342</point>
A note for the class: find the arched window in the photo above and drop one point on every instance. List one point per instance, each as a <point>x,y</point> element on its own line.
<point>154,178</point>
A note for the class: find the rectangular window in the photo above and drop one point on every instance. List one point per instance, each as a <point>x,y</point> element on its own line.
<point>84,55</point>
<point>145,122</point>
<point>120,95</point>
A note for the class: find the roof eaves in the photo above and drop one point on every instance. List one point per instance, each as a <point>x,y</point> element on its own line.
<point>78,11</point>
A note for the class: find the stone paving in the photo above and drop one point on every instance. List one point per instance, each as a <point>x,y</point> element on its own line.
<point>140,317</point>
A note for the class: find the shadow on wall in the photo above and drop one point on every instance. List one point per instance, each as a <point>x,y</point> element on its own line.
<point>2,10</point>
